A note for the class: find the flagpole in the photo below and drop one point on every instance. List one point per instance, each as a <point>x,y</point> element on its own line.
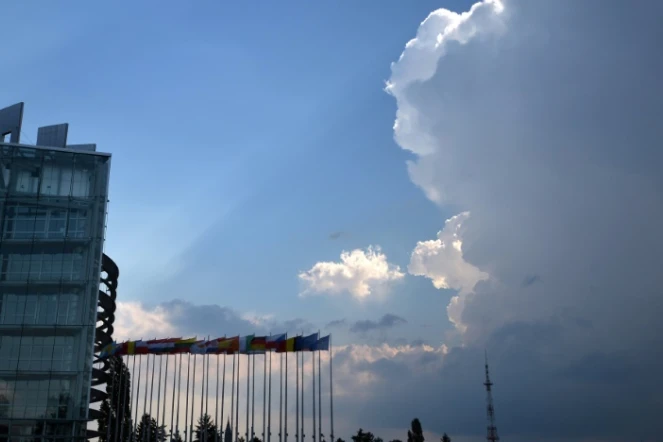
<point>140,360</point>
<point>239,358</point>
<point>313,390</point>
<point>281,397</point>
<point>147,378</point>
<point>264,395</point>
<point>296,395</point>
<point>165,391</point>
<point>203,394</point>
<point>253,396</point>
<point>331,391</point>
<point>248,395</point>
<point>216,407</point>
<point>303,435</point>
<point>320,396</point>
<point>186,405</point>
<point>232,395</point>
<point>154,365</point>
<point>193,396</point>
<point>285,375</point>
<point>177,379</point>
<point>159,389</point>
<point>111,397</point>
<point>269,407</point>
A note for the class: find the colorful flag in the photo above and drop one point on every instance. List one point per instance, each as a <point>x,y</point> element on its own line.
<point>322,344</point>
<point>131,348</point>
<point>199,347</point>
<point>273,341</point>
<point>287,345</point>
<point>184,345</point>
<point>141,348</point>
<point>245,343</point>
<point>258,344</point>
<point>109,350</point>
<point>161,346</point>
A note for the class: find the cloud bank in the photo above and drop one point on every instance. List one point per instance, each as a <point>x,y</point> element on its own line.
<point>543,121</point>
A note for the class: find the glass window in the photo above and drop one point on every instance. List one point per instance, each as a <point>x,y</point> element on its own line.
<point>47,309</point>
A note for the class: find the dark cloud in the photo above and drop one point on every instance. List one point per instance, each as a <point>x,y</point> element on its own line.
<point>385,322</point>
<point>337,323</point>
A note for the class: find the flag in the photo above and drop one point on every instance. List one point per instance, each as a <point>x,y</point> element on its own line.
<point>108,350</point>
<point>141,347</point>
<point>199,347</point>
<point>184,345</point>
<point>228,345</point>
<point>322,344</point>
<point>245,343</point>
<point>160,346</point>
<point>131,347</point>
<point>258,344</point>
<point>305,343</point>
<point>287,345</point>
<point>273,341</point>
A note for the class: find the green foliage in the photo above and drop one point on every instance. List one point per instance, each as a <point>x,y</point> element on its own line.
<point>362,436</point>
<point>177,437</point>
<point>445,438</point>
<point>148,431</point>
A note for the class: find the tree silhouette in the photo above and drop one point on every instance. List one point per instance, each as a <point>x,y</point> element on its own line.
<point>177,437</point>
<point>362,436</point>
<point>147,430</point>
<point>205,429</point>
<point>445,438</point>
<point>116,409</point>
<point>416,434</point>
<point>256,439</point>
<point>340,440</point>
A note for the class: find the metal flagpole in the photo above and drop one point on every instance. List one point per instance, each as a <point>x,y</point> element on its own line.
<point>248,395</point>
<point>137,393</point>
<point>320,396</point>
<point>239,358</point>
<point>285,375</point>
<point>165,390</point>
<point>193,396</point>
<point>223,393</point>
<point>176,387</point>
<point>264,396</point>
<point>203,411</point>
<point>159,388</point>
<point>154,364</point>
<point>232,395</point>
<point>280,397</point>
<point>313,436</point>
<point>269,407</point>
<point>216,407</point>
<point>208,358</point>
<point>303,435</point>
<point>253,396</point>
<point>331,392</point>
<point>147,378</point>
<point>186,406</point>
<point>296,396</point>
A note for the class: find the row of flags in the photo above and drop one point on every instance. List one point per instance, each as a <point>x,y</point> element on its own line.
<point>238,344</point>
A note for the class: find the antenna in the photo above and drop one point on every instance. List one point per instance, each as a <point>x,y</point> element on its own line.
<point>492,429</point>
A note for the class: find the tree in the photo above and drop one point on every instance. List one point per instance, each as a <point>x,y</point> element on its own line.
<point>445,438</point>
<point>147,430</point>
<point>362,436</point>
<point>116,409</point>
<point>256,439</point>
<point>416,434</point>
<point>205,429</point>
<point>396,440</point>
<point>177,437</point>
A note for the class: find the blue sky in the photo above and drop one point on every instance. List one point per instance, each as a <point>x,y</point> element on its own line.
<point>516,202</point>
<point>242,136</point>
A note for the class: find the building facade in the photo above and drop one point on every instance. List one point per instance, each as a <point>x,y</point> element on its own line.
<point>53,199</point>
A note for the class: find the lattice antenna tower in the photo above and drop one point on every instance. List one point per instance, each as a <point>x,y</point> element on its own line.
<point>490,409</point>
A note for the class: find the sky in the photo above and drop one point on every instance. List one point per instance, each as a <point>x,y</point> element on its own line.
<point>426,180</point>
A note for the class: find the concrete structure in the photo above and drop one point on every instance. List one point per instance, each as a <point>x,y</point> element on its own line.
<point>53,199</point>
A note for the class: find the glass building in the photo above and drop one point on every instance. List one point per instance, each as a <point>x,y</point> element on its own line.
<point>53,201</point>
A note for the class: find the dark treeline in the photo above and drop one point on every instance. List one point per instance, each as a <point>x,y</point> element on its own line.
<point>116,411</point>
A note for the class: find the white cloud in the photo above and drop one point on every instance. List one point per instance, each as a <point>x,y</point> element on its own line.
<point>360,273</point>
<point>441,260</point>
<point>135,321</point>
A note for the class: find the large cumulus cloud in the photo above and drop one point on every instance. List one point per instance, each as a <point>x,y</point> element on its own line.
<point>544,121</point>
